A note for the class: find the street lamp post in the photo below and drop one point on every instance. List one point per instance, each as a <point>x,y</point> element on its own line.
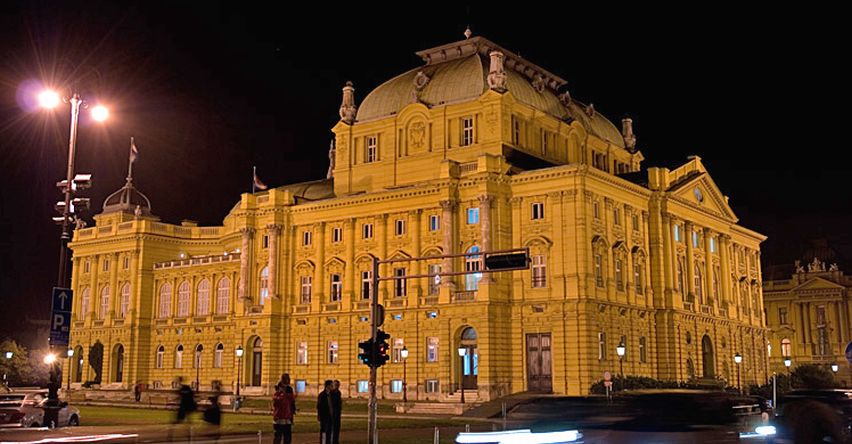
<point>239,353</point>
<point>738,359</point>
<point>70,363</point>
<point>462,353</point>
<point>787,363</point>
<point>620,350</point>
<point>8,358</point>
<point>404,354</point>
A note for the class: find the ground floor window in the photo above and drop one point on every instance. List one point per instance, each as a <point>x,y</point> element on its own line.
<point>396,386</point>
<point>432,386</point>
<point>363,386</point>
<point>300,385</point>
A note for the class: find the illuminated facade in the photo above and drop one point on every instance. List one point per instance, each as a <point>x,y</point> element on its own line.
<point>473,151</point>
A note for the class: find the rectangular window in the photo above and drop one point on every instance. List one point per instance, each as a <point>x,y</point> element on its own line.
<point>106,265</point>
<point>537,211</point>
<point>539,271</point>
<point>396,353</point>
<point>467,131</point>
<point>367,231</point>
<point>302,354</point>
<point>433,386</point>
<point>363,386</point>
<point>332,352</point>
<point>306,238</point>
<point>638,278</point>
<point>677,233</point>
<point>619,275</point>
<point>712,244</point>
<point>217,358</point>
<point>822,341</point>
<point>544,136</point>
<point>435,279</point>
<point>820,314</point>
<point>642,357</point>
<point>87,266</point>
<point>336,287</point>
<point>366,284</point>
<point>159,363</point>
<point>432,349</point>
<point>400,286</point>
<point>399,227</point>
<point>598,271</point>
<point>597,210</point>
<point>616,216</point>
<point>695,239</point>
<point>601,346</point>
<point>301,384</point>
<point>337,235</point>
<point>396,385</point>
<point>635,222</point>
<point>126,264</point>
<point>473,216</point>
<point>371,153</point>
<point>306,289</point>
<point>265,242</point>
<point>782,315</point>
<point>434,222</point>
<point>516,131</point>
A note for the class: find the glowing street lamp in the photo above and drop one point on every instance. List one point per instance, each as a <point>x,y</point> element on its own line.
<point>70,355</point>
<point>620,350</point>
<point>49,358</point>
<point>100,113</point>
<point>788,363</point>
<point>48,99</point>
<point>239,352</point>
<point>404,355</point>
<point>8,357</point>
<point>738,359</point>
<point>462,353</point>
<point>834,367</point>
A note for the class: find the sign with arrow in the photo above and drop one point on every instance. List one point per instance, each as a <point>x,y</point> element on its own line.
<point>60,316</point>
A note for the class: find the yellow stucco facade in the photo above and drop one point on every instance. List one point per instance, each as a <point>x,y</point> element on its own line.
<point>809,317</point>
<point>473,150</point>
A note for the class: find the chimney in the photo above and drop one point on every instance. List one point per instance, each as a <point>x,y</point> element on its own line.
<point>627,133</point>
<point>347,107</point>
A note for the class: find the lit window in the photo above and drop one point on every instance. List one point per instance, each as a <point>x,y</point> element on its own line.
<point>699,283</point>
<point>399,227</point>
<point>472,263</point>
<point>337,235</point>
<point>179,356</point>
<point>104,309</point>
<point>366,284</point>
<point>435,279</point>
<point>639,278</point>
<point>264,285</point>
<point>467,131</point>
<point>539,271</point>
<point>786,348</point>
<point>599,270</point>
<point>124,306</point>
<point>601,346</point>
<point>619,275</point>
<point>677,233</point>
<point>332,352</point>
<point>396,386</point>
<point>431,349</point>
<point>396,353</point>
<point>363,386</point>
<point>372,151</point>
<point>183,300</point>
<point>306,290</point>
<point>161,351</point>
<point>302,354</point>
<point>434,222</point>
<point>433,386</point>
<point>336,287</point>
<point>223,296</point>
<point>218,355</point>
<point>202,303</point>
<point>473,216</point>
<point>165,301</point>
<point>84,303</point>
<point>306,238</point>
<point>695,239</point>
<point>400,283</point>
<point>367,231</point>
<point>537,211</point>
<point>712,244</point>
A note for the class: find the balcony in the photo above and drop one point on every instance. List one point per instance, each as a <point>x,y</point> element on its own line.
<point>301,309</point>
<point>396,303</point>
<point>706,309</point>
<point>464,296</point>
<point>688,306</point>
<point>332,306</point>
<point>429,300</point>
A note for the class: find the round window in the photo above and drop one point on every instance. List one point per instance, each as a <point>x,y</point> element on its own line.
<point>698,195</point>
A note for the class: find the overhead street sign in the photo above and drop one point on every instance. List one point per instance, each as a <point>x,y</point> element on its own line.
<point>60,316</point>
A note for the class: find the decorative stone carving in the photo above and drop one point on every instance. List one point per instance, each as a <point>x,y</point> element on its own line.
<point>816,265</point>
<point>538,84</point>
<point>331,153</point>
<point>417,135</point>
<point>565,99</point>
<point>421,80</point>
<point>799,267</point>
<point>497,73</point>
<point>348,110</point>
<point>627,133</point>
<point>590,110</point>
<point>833,267</point>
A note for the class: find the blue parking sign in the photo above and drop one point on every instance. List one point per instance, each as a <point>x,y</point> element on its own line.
<point>60,316</point>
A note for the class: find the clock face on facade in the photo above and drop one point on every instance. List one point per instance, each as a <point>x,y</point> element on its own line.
<point>698,195</point>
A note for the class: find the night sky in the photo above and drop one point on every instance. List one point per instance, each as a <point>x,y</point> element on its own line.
<point>208,91</point>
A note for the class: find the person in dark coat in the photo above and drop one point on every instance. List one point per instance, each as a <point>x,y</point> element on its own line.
<point>325,413</point>
<point>186,402</point>
<point>337,410</point>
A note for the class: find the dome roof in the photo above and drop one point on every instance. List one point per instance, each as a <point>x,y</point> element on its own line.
<point>127,199</point>
<point>458,72</point>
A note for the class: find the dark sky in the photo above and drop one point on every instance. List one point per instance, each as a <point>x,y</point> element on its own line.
<point>209,90</point>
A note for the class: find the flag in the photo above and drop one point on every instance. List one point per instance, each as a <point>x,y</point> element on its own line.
<point>134,152</point>
<point>257,183</point>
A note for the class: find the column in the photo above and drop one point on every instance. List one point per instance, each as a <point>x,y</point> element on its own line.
<point>725,270</point>
<point>669,262</point>
<point>485,202</point>
<point>690,266</point>
<point>710,298</point>
<point>114,293</point>
<point>93,290</point>
<point>414,218</point>
<point>448,226</point>
<point>135,274</point>
<point>245,264</point>
<point>322,293</point>
<point>274,231</point>
<point>76,288</point>
<point>351,273</point>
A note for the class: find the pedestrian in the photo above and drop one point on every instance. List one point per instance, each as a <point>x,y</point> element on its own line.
<point>337,410</point>
<point>283,411</point>
<point>213,414</point>
<point>325,413</point>
<point>186,400</point>
<point>137,391</point>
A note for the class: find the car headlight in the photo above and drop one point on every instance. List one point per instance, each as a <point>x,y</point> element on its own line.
<point>759,432</point>
<point>524,436</point>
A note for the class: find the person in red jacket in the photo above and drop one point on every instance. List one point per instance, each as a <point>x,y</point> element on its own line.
<point>283,409</point>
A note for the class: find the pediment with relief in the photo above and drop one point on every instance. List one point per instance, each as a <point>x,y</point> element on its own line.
<point>818,283</point>
<point>699,189</point>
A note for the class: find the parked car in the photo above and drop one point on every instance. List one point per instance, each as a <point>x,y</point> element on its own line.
<point>806,416</point>
<point>26,409</point>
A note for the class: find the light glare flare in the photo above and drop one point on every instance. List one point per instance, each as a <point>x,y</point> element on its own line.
<point>100,113</point>
<point>49,358</point>
<point>48,99</point>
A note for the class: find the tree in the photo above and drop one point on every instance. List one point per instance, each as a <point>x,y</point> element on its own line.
<point>813,376</point>
<point>18,368</point>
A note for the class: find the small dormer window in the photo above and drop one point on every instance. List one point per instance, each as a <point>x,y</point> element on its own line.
<point>467,136</point>
<point>371,153</point>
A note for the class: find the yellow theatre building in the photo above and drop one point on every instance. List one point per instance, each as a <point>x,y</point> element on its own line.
<point>475,150</point>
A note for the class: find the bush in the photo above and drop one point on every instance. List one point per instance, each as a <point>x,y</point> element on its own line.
<point>644,382</point>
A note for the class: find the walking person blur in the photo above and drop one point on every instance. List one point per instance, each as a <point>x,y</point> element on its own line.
<point>283,411</point>
<point>213,414</point>
<point>186,403</point>
<point>336,411</point>
<point>325,413</point>
<point>137,391</point>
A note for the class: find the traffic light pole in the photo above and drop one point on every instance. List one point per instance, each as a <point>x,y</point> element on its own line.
<point>372,418</point>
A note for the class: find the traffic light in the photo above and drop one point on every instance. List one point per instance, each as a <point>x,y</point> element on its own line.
<point>382,348</point>
<point>511,261</point>
<point>366,355</point>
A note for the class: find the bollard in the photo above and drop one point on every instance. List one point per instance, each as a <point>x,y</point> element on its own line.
<point>259,437</point>
<point>467,428</point>
<point>437,439</point>
<point>504,416</point>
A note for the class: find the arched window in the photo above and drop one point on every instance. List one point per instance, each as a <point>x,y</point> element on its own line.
<point>223,296</point>
<point>183,300</point>
<point>218,355</point>
<point>125,301</point>
<point>202,304</point>
<point>104,308</point>
<point>472,263</point>
<point>179,356</point>
<point>256,362</point>
<point>165,301</point>
<point>264,285</point>
<point>78,364</point>
<point>639,275</point>
<point>161,352</point>
<point>198,351</point>
<point>84,303</point>
<point>786,348</point>
<point>699,283</point>
<point>539,271</point>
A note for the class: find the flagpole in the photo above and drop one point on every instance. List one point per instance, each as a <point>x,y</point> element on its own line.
<point>253,176</point>
<point>130,161</point>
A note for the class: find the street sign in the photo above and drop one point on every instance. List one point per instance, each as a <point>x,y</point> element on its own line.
<point>60,316</point>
